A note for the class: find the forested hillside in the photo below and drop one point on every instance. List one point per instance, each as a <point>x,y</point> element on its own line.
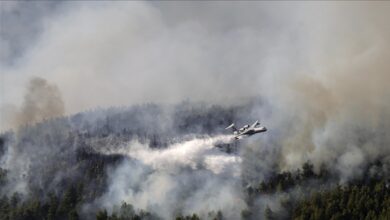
<point>67,168</point>
<point>54,166</point>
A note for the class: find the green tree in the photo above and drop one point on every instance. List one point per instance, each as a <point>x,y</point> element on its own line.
<point>102,215</point>
<point>307,170</point>
<point>268,213</point>
<point>73,215</point>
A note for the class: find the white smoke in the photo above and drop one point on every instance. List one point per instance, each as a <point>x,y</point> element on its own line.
<point>321,68</point>
<point>188,177</point>
<point>127,53</point>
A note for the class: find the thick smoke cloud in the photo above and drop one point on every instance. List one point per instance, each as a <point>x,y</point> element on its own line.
<point>340,108</point>
<point>320,69</point>
<point>21,26</point>
<point>128,53</point>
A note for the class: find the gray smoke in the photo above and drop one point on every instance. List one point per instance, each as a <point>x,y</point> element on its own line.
<point>188,177</point>
<point>320,69</point>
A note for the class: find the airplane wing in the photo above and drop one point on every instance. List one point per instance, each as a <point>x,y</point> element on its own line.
<point>255,124</point>
<point>230,126</point>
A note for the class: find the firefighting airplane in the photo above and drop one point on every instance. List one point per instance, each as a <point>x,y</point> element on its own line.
<point>247,130</point>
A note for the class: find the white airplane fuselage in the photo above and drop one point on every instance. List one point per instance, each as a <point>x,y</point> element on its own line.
<point>247,130</point>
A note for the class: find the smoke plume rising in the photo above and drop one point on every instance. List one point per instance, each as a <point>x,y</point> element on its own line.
<point>42,101</point>
<point>320,69</point>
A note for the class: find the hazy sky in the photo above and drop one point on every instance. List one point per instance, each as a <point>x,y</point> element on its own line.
<point>121,53</point>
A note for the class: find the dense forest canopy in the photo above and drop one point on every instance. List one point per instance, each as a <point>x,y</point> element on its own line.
<point>72,168</point>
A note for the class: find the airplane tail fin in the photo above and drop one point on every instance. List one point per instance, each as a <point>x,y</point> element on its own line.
<point>232,127</point>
